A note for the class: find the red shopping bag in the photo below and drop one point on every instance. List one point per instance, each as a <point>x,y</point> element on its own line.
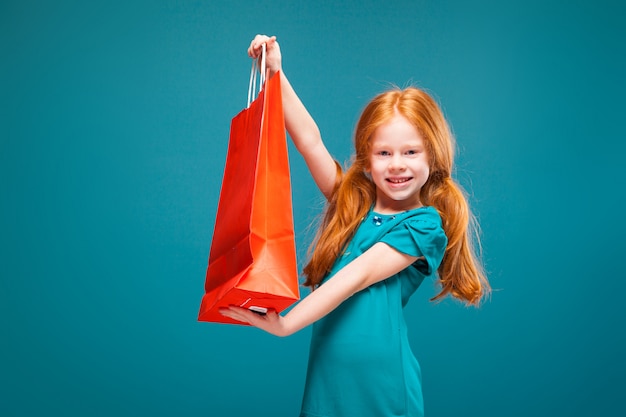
<point>252,261</point>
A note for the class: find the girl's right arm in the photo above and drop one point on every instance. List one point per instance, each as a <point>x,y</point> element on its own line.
<point>365,270</point>
<point>299,123</point>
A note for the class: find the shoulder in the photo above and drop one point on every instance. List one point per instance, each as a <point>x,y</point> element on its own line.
<point>419,232</point>
<point>425,218</point>
<point>425,213</point>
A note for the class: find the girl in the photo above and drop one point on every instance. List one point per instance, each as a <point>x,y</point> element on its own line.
<point>393,218</point>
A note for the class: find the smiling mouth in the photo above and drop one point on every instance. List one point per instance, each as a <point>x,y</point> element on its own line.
<point>398,180</point>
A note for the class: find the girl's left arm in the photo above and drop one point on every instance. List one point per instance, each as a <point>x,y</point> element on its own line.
<point>376,264</point>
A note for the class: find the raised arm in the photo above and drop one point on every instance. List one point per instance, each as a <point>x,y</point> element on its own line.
<point>356,276</point>
<point>299,123</point>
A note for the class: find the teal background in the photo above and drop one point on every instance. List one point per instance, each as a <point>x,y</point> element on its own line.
<point>113,132</point>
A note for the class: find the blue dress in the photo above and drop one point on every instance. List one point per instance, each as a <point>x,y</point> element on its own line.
<point>360,361</point>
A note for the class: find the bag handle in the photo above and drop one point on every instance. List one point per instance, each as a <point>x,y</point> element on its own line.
<point>253,76</point>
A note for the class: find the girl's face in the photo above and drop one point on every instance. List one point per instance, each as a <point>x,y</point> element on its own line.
<point>398,165</point>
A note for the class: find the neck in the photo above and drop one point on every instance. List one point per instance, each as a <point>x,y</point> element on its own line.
<point>396,208</point>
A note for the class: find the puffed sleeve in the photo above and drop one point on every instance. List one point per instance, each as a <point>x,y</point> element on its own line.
<point>422,236</point>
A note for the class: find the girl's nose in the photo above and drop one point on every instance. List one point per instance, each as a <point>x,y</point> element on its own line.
<point>397,163</point>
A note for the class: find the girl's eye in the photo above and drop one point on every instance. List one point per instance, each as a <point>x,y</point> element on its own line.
<point>383,153</point>
<point>412,152</point>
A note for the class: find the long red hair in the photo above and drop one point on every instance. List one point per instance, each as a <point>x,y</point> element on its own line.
<point>460,273</point>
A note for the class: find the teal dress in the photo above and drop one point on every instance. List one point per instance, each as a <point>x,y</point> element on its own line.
<point>360,361</point>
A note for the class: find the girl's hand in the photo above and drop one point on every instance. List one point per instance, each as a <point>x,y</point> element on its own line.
<point>271,322</point>
<point>273,59</point>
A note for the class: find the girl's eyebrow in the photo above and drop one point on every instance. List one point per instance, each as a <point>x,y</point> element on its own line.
<point>404,145</point>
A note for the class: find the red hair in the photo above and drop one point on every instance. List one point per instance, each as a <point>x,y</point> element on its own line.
<point>460,273</point>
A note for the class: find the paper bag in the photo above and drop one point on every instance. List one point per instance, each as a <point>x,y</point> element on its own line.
<point>252,261</point>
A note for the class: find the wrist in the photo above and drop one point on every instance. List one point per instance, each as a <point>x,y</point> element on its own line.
<point>273,71</point>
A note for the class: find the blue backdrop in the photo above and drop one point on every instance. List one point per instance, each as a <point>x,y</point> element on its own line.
<point>113,132</point>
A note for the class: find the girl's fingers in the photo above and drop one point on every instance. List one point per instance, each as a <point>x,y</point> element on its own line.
<point>234,313</point>
<point>255,46</point>
<point>270,322</point>
<point>246,316</point>
<point>242,314</point>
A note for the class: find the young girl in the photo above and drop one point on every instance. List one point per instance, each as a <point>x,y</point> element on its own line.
<point>393,218</point>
